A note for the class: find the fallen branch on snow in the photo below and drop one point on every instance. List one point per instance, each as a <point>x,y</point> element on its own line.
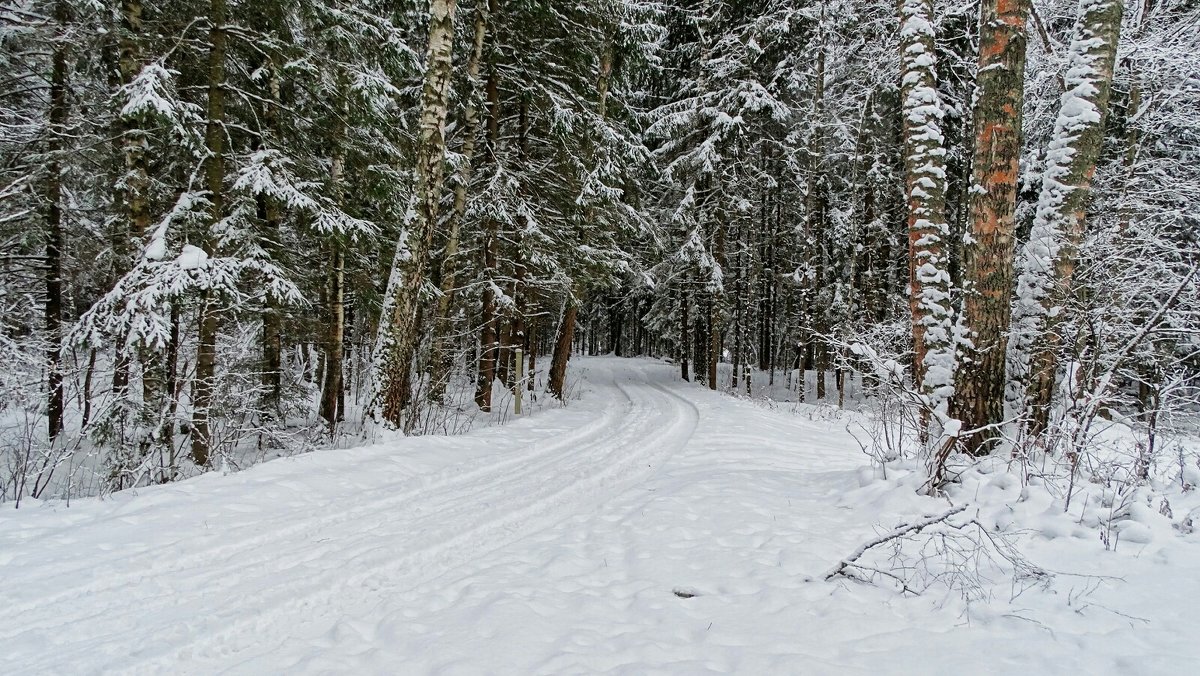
<point>899,532</point>
<point>951,553</point>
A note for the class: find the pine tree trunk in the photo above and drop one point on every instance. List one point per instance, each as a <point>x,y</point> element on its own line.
<point>516,322</point>
<point>54,232</point>
<point>925,189</point>
<point>490,333</point>
<point>209,323</point>
<point>841,387</point>
<point>737,329</point>
<point>331,389</point>
<point>135,186</point>
<point>331,385</point>
<point>715,301</point>
<point>272,318</point>
<point>819,366</point>
<point>442,359</point>
<point>166,431</point>
<point>1048,260</point>
<point>399,333</point>
<point>558,361</point>
<point>88,374</point>
<point>562,350</point>
<point>684,339</point>
<point>989,247</point>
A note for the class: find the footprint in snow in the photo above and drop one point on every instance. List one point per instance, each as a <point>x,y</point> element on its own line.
<point>685,592</point>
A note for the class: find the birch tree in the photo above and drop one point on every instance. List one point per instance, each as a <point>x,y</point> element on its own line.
<point>925,186</point>
<point>1048,258</point>
<point>441,360</point>
<point>398,334</point>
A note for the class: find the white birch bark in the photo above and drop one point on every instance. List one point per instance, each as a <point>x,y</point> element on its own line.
<point>397,341</point>
<point>925,189</point>
<point>1048,259</point>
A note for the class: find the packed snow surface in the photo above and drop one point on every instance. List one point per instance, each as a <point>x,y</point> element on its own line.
<point>651,526</point>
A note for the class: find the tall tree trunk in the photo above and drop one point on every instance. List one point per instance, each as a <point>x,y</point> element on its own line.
<point>166,431</point>
<point>925,188</point>
<point>54,230</point>
<point>989,247</point>
<point>490,333</point>
<point>331,387</point>
<point>269,213</point>
<point>134,195</point>
<point>516,320</point>
<point>714,340</point>
<point>715,301</point>
<point>562,346</point>
<point>399,332</point>
<point>1048,260</point>
<point>442,359</point>
<point>566,329</point>
<point>684,339</point>
<point>86,396</point>
<point>209,321</point>
<point>820,360</point>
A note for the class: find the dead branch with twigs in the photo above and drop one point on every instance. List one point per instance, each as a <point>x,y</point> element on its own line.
<point>938,550</point>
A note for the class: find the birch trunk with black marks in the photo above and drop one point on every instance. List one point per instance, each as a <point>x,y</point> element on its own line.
<point>1048,258</point>
<point>442,359</point>
<point>925,190</point>
<point>398,335</point>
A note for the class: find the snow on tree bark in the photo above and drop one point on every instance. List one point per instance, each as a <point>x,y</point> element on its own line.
<point>398,337</point>
<point>989,247</point>
<point>925,189</point>
<point>1048,258</point>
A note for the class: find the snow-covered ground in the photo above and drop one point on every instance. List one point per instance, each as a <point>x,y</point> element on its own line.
<point>650,527</point>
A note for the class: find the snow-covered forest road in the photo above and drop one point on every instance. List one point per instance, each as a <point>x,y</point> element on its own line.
<point>561,543</point>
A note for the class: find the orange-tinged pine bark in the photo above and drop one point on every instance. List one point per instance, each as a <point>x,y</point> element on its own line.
<point>988,254</point>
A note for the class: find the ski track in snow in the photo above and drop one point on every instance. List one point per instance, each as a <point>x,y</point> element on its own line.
<point>651,527</point>
<point>392,498</point>
<point>226,598</point>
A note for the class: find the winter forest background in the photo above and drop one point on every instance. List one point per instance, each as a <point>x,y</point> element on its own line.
<point>235,229</point>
